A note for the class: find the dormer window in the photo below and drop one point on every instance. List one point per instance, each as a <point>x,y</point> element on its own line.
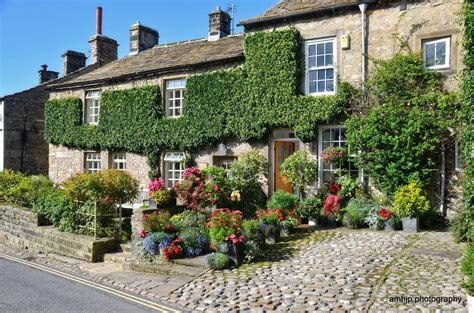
<point>174,97</point>
<point>320,70</point>
<point>92,109</point>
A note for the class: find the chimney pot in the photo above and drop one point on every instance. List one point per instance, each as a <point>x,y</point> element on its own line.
<point>98,21</point>
<point>44,67</point>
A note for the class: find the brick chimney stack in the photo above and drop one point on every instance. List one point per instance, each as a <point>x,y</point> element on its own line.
<point>72,61</point>
<point>142,38</point>
<point>219,24</point>
<point>45,75</point>
<point>103,49</point>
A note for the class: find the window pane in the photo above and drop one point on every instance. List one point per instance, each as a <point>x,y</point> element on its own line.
<point>312,87</point>
<point>311,50</point>
<point>329,85</point>
<point>326,135</point>
<point>312,75</point>
<point>320,61</point>
<point>321,75</point>
<point>330,74</point>
<point>328,60</point>
<point>430,54</point>
<point>441,53</point>
<point>320,48</point>
<point>321,87</point>
<point>312,62</point>
<point>329,47</point>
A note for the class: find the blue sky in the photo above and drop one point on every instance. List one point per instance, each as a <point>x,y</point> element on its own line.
<point>35,32</point>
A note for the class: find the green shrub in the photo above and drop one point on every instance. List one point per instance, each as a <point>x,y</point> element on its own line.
<point>284,201</point>
<point>57,208</point>
<point>468,269</point>
<point>247,175</point>
<point>310,208</point>
<point>29,187</point>
<point>119,186</point>
<point>156,222</point>
<point>289,224</point>
<point>459,226</point>
<point>250,228</point>
<point>162,197</point>
<point>218,175</point>
<point>410,201</point>
<point>217,261</point>
<point>223,223</point>
<point>356,212</point>
<point>189,219</point>
<point>8,180</point>
<point>299,170</point>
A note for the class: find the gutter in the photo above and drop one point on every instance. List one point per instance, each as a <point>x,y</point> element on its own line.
<point>306,13</point>
<point>144,74</point>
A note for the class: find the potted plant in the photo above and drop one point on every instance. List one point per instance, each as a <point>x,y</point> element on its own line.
<point>299,170</point>
<point>334,155</point>
<point>269,224</point>
<point>332,206</point>
<point>236,248</point>
<point>409,204</point>
<point>468,270</point>
<point>389,218</point>
<point>287,226</point>
<point>159,196</point>
<point>310,209</point>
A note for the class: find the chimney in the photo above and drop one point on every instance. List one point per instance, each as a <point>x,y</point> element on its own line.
<point>142,38</point>
<point>219,24</point>
<point>45,75</point>
<point>103,49</point>
<point>72,61</point>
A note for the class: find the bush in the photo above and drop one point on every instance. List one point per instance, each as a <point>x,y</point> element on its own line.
<point>356,212</point>
<point>459,226</point>
<point>299,170</point>
<point>218,176</point>
<point>8,180</point>
<point>155,242</point>
<point>250,228</point>
<point>57,208</point>
<point>119,186</point>
<point>189,219</point>
<point>374,220</point>
<point>410,201</point>
<point>247,175</point>
<point>467,268</point>
<point>156,222</point>
<point>284,201</point>
<point>269,216</point>
<point>310,208</point>
<point>223,223</point>
<point>162,197</point>
<point>217,261</point>
<point>195,242</point>
<point>27,190</point>
<point>289,224</point>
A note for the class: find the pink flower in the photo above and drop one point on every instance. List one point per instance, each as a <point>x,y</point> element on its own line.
<point>155,185</point>
<point>143,233</point>
<point>216,188</point>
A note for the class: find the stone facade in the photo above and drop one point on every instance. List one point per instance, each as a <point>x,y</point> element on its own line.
<point>23,229</point>
<point>23,125</point>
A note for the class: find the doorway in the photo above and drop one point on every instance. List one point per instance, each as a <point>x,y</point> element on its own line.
<point>283,149</point>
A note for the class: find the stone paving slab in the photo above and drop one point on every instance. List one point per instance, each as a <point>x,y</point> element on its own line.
<point>342,271</point>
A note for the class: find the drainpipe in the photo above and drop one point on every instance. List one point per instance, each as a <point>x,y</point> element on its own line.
<point>363,9</point>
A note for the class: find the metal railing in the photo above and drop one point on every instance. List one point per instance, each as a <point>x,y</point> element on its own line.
<point>115,225</point>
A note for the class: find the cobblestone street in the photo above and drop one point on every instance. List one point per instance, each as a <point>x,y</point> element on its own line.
<point>339,270</point>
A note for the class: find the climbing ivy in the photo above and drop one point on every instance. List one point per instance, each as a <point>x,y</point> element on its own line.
<point>245,102</point>
<point>468,116</point>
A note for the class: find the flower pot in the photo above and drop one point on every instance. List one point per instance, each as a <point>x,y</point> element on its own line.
<point>470,303</point>
<point>236,252</point>
<point>151,203</point>
<point>331,221</point>
<point>312,221</point>
<point>389,225</point>
<point>410,225</point>
<point>272,234</point>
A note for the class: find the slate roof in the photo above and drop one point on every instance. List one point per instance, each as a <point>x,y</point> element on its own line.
<point>286,8</point>
<point>163,58</point>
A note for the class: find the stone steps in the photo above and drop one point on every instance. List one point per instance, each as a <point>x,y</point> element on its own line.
<point>167,269</point>
<point>126,247</point>
<point>118,257</point>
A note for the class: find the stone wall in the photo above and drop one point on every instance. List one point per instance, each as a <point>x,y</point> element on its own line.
<point>21,228</point>
<point>24,146</point>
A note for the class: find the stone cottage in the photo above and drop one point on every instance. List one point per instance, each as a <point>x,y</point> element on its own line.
<point>338,38</point>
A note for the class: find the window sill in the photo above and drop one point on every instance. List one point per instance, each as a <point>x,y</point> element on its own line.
<point>321,94</point>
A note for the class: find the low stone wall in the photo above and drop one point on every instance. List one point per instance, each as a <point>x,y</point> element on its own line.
<point>21,228</point>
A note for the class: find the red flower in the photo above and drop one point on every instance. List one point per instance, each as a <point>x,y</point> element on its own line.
<point>334,187</point>
<point>385,214</point>
<point>332,204</point>
<point>143,233</point>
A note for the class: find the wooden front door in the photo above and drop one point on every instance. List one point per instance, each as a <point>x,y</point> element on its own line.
<point>283,149</point>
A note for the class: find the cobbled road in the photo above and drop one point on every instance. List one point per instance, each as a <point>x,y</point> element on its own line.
<point>339,270</point>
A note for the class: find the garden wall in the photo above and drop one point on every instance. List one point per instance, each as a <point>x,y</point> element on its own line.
<point>22,229</point>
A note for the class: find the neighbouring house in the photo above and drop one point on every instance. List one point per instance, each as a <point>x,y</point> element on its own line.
<point>338,38</point>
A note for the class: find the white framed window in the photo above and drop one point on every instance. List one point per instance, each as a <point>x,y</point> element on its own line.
<point>437,53</point>
<point>92,107</point>
<point>174,97</point>
<point>320,56</point>
<point>92,162</point>
<point>333,136</point>
<point>173,163</point>
<point>119,161</point>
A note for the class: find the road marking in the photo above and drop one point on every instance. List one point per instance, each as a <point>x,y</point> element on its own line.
<point>118,293</point>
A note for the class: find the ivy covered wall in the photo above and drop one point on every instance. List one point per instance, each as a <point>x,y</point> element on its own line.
<point>246,103</point>
<point>468,116</point>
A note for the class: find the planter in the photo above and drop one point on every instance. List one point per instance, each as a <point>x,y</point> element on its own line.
<point>331,221</point>
<point>389,225</point>
<point>312,221</point>
<point>410,225</point>
<point>470,303</point>
<point>284,232</point>
<point>152,204</point>
<point>236,252</point>
<point>271,233</point>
